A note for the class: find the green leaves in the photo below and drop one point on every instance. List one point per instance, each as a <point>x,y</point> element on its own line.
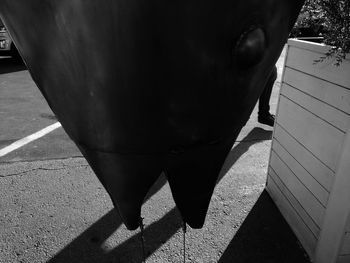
<point>331,20</point>
<point>337,21</point>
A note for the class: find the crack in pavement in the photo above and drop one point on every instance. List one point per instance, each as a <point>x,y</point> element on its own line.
<point>43,169</point>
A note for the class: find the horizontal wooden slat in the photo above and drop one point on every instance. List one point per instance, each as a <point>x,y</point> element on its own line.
<point>319,137</point>
<point>344,259</point>
<point>312,46</point>
<point>295,205</point>
<point>311,205</point>
<point>304,44</point>
<point>300,229</point>
<point>335,117</point>
<point>303,60</point>
<point>315,167</point>
<point>345,250</point>
<point>327,92</point>
<point>307,180</point>
<point>337,212</point>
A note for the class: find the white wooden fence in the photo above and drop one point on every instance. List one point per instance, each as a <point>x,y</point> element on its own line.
<point>309,167</point>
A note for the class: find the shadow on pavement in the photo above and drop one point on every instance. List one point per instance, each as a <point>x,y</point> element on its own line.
<point>9,65</point>
<point>264,237</point>
<point>88,247</point>
<point>256,135</point>
<point>155,236</point>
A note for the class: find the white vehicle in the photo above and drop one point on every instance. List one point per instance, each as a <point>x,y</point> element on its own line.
<point>7,47</point>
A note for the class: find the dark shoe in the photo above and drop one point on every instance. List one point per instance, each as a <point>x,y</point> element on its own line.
<point>267,119</point>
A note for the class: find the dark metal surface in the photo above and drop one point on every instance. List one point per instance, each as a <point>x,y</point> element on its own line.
<point>145,87</point>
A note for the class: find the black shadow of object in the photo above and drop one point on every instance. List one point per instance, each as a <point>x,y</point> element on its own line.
<point>87,247</point>
<point>254,136</point>
<point>155,236</point>
<point>264,237</point>
<point>9,65</point>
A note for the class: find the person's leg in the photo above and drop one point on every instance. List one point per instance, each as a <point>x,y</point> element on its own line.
<point>264,115</point>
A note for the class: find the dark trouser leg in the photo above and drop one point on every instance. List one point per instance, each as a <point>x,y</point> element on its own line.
<point>264,100</point>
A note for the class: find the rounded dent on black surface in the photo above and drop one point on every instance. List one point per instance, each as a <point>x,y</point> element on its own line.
<point>250,48</point>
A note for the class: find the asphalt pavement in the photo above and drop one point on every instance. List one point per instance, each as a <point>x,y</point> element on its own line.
<point>53,208</point>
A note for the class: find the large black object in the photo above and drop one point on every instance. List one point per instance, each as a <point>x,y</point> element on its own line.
<point>149,86</point>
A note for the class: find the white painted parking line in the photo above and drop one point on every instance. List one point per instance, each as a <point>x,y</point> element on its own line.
<point>28,139</point>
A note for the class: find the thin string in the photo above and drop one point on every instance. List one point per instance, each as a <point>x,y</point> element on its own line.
<point>184,229</point>
<point>142,240</point>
